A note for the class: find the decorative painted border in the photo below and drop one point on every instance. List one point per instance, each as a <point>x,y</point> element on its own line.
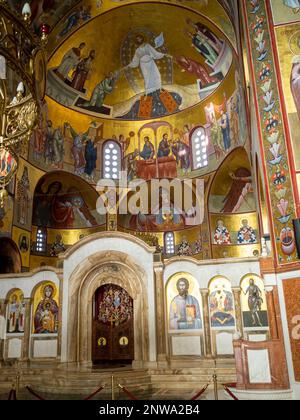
<point>272,132</point>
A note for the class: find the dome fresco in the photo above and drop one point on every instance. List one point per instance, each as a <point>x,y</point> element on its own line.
<point>142,71</point>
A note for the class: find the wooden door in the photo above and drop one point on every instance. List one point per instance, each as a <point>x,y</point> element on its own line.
<point>113,325</point>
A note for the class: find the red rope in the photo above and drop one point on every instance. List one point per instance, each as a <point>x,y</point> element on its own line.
<point>95,393</point>
<point>200,393</point>
<point>128,393</point>
<point>34,393</point>
<point>230,393</point>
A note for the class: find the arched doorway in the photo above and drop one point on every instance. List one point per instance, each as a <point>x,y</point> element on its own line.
<point>10,258</point>
<point>113,325</point>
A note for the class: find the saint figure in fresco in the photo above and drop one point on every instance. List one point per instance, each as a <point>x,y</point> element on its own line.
<point>46,314</point>
<point>16,314</point>
<point>222,235</point>
<point>148,151</point>
<point>104,88</point>
<point>240,188</point>
<point>185,309</point>
<point>23,198</point>
<point>164,149</point>
<point>78,149</point>
<point>225,128</point>
<point>255,302</point>
<point>246,234</point>
<point>221,305</point>
<point>83,71</point>
<point>184,249</point>
<point>69,62</point>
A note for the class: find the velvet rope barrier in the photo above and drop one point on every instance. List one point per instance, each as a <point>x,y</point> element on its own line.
<point>94,394</point>
<point>128,393</point>
<point>200,393</point>
<point>12,396</point>
<point>230,393</point>
<point>31,391</point>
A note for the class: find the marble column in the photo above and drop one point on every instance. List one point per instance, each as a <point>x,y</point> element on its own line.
<point>161,327</point>
<point>206,323</point>
<point>238,311</point>
<point>26,343</point>
<point>274,331</point>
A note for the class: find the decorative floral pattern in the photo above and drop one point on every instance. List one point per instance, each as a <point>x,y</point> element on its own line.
<point>272,130</point>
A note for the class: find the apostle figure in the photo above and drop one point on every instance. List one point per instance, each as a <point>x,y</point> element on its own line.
<point>193,67</point>
<point>222,235</point>
<point>182,152</point>
<point>23,198</point>
<point>101,90</point>
<point>58,148</point>
<point>78,149</point>
<point>83,71</point>
<point>46,314</point>
<point>204,48</point>
<point>225,127</point>
<point>164,147</point>
<point>246,234</point>
<point>69,62</point>
<point>90,158</point>
<point>148,151</point>
<point>49,140</point>
<point>185,309</point>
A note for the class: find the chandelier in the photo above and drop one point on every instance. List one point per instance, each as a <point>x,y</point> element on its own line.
<point>22,86</point>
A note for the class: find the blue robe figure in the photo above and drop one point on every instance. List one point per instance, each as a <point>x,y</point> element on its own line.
<point>90,158</point>
<point>148,151</point>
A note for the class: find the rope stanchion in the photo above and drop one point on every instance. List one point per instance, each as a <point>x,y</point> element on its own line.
<point>200,393</point>
<point>94,394</point>
<point>31,391</point>
<point>12,396</point>
<point>230,393</point>
<point>128,393</point>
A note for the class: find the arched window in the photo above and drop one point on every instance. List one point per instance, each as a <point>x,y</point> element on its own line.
<point>199,142</point>
<point>169,243</point>
<point>41,240</point>
<point>111,160</point>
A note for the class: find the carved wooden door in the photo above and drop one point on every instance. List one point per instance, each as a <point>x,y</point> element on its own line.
<point>113,327</point>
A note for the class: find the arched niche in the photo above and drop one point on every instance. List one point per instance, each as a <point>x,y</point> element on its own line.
<point>64,211</point>
<point>234,223</point>
<point>10,257</point>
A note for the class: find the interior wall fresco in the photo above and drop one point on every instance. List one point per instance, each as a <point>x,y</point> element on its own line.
<point>53,145</point>
<point>272,130</point>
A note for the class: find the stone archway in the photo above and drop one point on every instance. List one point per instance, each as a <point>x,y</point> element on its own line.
<point>101,269</point>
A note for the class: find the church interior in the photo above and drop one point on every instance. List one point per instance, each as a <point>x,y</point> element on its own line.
<point>150,199</point>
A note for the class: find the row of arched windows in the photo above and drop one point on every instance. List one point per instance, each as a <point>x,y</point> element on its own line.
<point>112,154</point>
